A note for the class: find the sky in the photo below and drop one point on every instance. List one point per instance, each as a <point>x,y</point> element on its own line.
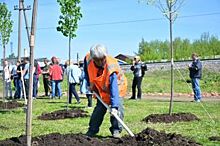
<point>118,24</point>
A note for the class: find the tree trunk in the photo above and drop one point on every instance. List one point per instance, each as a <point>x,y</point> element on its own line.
<point>171,51</point>
<point>68,91</point>
<point>4,50</point>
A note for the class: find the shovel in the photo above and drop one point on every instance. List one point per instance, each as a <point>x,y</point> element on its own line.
<point>23,87</point>
<point>115,115</point>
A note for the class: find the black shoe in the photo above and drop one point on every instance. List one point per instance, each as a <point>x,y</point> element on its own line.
<point>90,134</point>
<point>131,98</point>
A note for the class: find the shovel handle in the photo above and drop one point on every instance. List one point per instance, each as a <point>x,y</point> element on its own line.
<point>115,115</point>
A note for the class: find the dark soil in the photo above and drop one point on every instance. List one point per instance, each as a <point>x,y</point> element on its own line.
<point>147,137</point>
<point>63,114</point>
<point>166,118</point>
<point>214,138</point>
<point>10,105</point>
<point>3,128</point>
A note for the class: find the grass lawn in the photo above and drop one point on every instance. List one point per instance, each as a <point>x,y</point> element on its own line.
<point>13,121</point>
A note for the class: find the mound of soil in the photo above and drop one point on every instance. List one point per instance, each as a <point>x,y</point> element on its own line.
<point>147,137</point>
<point>10,105</point>
<point>166,118</point>
<point>214,138</point>
<point>63,114</point>
<point>3,127</point>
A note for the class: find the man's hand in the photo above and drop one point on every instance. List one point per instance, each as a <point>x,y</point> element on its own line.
<point>114,111</point>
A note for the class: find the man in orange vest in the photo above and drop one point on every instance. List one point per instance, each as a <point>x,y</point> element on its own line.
<point>106,79</point>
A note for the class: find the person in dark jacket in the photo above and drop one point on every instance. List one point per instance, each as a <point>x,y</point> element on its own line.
<point>195,73</point>
<point>138,76</point>
<point>46,80</point>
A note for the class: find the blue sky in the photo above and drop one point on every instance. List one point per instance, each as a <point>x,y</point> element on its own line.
<point>118,24</point>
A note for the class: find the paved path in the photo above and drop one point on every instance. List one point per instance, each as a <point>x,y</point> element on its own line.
<point>164,97</point>
<point>176,97</point>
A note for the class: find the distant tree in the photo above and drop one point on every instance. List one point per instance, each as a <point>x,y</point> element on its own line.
<point>214,45</point>
<point>12,55</point>
<point>68,22</point>
<point>5,32</point>
<point>177,44</point>
<point>186,53</point>
<point>207,46</point>
<point>5,26</point>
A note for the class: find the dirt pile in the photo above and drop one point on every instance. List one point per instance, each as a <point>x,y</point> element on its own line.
<point>166,118</point>
<point>214,138</point>
<point>63,114</point>
<point>3,127</point>
<point>10,105</point>
<point>147,137</point>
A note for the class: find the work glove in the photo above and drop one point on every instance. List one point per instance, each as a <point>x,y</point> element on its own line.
<point>114,111</point>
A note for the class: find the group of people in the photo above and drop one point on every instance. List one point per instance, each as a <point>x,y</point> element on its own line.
<point>19,74</point>
<point>101,74</point>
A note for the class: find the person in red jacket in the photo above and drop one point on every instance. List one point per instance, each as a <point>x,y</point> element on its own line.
<point>56,76</point>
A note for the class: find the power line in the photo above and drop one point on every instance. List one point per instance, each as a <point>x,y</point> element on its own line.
<point>199,15</point>
<point>135,21</point>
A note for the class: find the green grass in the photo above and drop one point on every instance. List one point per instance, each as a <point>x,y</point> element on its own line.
<point>159,82</point>
<point>135,111</point>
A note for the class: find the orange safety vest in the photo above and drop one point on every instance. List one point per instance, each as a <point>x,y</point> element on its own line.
<point>102,82</point>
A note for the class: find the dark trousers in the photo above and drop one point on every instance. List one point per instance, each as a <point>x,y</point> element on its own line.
<point>72,90</point>
<point>26,85</point>
<point>98,116</point>
<point>136,83</point>
<point>46,86</point>
<point>18,88</point>
<point>89,97</point>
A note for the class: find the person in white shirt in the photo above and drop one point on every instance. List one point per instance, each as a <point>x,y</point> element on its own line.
<point>73,73</point>
<point>7,79</point>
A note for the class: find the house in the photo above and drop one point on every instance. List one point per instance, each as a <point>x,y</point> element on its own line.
<point>126,58</point>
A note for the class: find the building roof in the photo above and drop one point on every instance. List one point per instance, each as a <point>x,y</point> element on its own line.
<point>126,56</point>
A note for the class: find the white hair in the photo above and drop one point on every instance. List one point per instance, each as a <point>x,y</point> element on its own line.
<point>98,51</point>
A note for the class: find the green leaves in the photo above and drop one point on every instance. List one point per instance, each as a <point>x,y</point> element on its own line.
<point>207,47</point>
<point>5,23</point>
<point>71,14</point>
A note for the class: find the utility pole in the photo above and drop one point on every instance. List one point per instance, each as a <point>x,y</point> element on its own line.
<point>31,44</point>
<point>11,45</point>
<point>77,58</point>
<point>25,19</point>
<point>20,8</point>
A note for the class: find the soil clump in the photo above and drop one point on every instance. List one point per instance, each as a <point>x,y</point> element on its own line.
<point>147,137</point>
<point>10,104</point>
<point>166,118</point>
<point>63,114</point>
